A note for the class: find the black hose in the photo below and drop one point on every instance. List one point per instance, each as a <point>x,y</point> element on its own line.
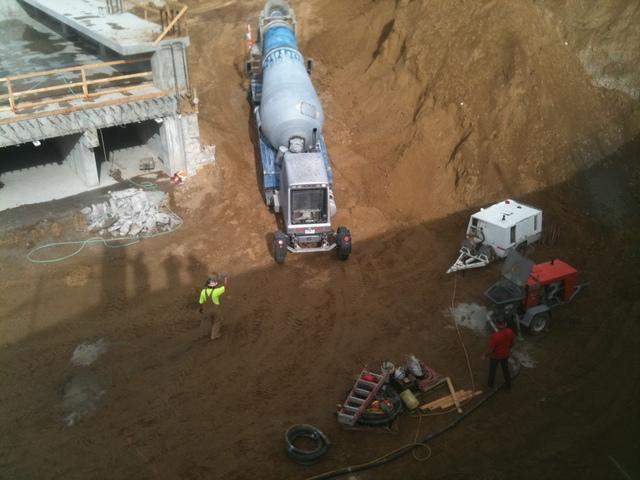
<point>303,456</point>
<point>377,419</point>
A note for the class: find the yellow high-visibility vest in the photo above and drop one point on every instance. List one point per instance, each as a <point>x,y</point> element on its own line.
<point>214,293</point>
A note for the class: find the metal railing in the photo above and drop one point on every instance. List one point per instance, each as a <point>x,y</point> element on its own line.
<point>70,83</point>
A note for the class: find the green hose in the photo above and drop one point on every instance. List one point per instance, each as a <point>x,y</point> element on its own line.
<point>109,243</point>
<point>146,185</point>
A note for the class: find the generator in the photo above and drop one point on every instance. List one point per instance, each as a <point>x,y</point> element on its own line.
<point>494,231</point>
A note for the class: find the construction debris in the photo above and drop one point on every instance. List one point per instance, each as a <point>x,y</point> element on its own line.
<point>131,212</point>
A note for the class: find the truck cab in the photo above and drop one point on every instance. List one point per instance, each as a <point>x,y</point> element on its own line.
<point>305,199</point>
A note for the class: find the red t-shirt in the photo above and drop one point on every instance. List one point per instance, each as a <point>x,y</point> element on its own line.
<point>501,343</point>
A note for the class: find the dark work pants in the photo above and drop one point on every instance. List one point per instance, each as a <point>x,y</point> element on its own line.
<point>504,364</point>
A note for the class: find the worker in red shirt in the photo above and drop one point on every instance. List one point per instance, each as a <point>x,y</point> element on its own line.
<point>499,351</point>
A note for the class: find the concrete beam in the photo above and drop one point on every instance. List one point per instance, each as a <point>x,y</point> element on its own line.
<point>24,131</point>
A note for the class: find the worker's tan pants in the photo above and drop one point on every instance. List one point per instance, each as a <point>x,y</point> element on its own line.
<point>211,323</point>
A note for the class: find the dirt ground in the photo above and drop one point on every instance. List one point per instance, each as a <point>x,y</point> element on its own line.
<point>433,109</point>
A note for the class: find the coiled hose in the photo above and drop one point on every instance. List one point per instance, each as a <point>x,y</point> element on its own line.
<point>385,417</point>
<point>301,455</point>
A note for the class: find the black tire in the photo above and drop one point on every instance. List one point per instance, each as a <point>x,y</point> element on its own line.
<point>343,242</point>
<point>488,252</point>
<point>521,248</point>
<point>279,247</point>
<point>539,323</point>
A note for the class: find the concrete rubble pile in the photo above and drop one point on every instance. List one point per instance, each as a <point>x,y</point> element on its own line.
<point>131,212</point>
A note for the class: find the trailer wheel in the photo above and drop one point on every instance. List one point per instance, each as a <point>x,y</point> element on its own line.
<point>539,323</point>
<point>468,244</point>
<point>280,247</point>
<point>488,252</point>
<point>343,241</point>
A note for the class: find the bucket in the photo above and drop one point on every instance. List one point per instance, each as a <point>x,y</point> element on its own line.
<point>409,399</point>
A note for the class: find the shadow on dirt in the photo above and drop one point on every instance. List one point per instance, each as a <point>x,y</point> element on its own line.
<point>295,335</point>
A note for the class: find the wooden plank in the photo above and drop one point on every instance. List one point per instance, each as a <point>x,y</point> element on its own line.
<point>85,106</point>
<point>450,402</point>
<point>79,96</point>
<point>12,101</point>
<point>446,402</point>
<point>119,77</point>
<point>85,89</point>
<point>82,84</point>
<point>171,24</point>
<point>453,394</point>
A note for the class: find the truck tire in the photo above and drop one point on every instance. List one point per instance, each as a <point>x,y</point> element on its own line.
<point>343,243</point>
<point>539,323</point>
<point>279,247</point>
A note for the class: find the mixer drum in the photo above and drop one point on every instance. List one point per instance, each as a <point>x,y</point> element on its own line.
<point>290,106</point>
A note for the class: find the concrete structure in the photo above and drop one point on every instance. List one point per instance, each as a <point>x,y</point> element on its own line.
<point>85,68</point>
<point>77,150</point>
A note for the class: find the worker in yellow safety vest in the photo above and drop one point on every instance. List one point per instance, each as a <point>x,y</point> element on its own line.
<point>213,290</point>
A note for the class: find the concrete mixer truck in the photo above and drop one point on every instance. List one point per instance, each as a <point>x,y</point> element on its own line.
<point>297,179</point>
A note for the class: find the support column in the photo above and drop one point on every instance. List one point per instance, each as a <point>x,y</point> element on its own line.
<point>196,155</point>
<point>172,151</point>
<point>169,67</point>
<point>77,153</point>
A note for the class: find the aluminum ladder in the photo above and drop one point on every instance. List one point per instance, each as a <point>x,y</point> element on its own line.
<point>360,397</point>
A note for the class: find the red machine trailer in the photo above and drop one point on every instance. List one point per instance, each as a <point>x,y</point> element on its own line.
<point>526,293</point>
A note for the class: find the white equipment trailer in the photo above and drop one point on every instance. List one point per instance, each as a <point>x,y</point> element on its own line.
<point>496,230</point>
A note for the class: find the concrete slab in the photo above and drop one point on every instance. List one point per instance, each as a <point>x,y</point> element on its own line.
<point>28,46</point>
<point>124,33</point>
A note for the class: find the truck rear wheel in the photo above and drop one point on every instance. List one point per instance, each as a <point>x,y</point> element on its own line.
<point>280,247</point>
<point>539,323</point>
<point>343,243</point>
